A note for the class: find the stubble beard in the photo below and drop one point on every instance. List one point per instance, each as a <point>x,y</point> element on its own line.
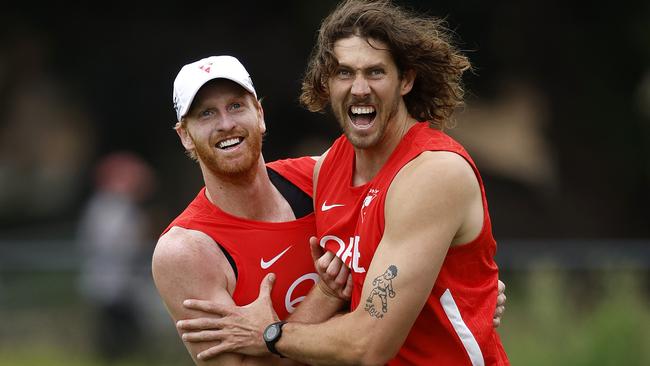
<point>231,169</point>
<point>366,141</point>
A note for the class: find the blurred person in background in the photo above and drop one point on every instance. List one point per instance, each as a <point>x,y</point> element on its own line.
<point>115,238</point>
<point>37,104</point>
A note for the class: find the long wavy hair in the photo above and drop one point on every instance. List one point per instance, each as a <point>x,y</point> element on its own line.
<point>416,42</point>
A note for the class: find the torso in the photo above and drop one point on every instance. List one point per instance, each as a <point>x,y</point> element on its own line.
<point>354,230</point>
<point>256,248</point>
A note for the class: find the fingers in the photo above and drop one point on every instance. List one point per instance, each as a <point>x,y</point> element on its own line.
<point>323,263</point>
<point>266,285</point>
<point>501,295</point>
<point>202,336</point>
<point>496,322</point>
<point>501,304</point>
<point>334,267</point>
<point>498,313</point>
<point>198,324</point>
<point>335,275</point>
<point>343,273</point>
<point>501,300</point>
<point>347,290</point>
<point>207,306</point>
<point>316,250</point>
<point>214,351</point>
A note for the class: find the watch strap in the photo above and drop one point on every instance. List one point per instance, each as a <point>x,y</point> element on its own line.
<point>270,344</point>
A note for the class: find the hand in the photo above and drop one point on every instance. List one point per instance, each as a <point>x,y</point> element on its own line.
<point>336,280</point>
<point>239,328</point>
<point>501,305</point>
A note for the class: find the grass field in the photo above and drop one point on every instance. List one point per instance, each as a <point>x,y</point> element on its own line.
<point>553,318</point>
<point>578,319</point>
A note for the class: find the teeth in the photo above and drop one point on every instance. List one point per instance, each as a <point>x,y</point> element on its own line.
<point>362,110</point>
<point>229,142</point>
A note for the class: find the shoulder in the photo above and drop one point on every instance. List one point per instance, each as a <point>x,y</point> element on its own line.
<point>304,162</point>
<point>298,171</point>
<point>442,169</point>
<point>441,180</point>
<point>319,163</point>
<point>180,244</point>
<point>183,255</point>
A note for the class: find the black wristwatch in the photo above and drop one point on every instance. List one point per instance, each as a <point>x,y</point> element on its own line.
<point>272,335</point>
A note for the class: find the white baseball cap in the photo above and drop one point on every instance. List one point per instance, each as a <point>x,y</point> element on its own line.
<point>194,75</point>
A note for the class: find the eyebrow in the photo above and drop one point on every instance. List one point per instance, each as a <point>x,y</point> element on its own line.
<point>239,95</point>
<point>377,65</point>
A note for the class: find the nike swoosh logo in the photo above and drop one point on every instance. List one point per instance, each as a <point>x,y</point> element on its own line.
<point>326,207</point>
<point>266,265</point>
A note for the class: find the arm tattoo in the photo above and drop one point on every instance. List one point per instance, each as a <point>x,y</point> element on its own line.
<point>382,287</point>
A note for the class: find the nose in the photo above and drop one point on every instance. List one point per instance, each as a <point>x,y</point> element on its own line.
<point>225,123</point>
<point>360,87</point>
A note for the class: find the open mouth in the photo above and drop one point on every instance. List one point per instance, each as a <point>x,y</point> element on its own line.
<point>229,143</point>
<point>362,116</point>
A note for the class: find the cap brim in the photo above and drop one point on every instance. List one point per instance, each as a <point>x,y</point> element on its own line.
<point>188,106</point>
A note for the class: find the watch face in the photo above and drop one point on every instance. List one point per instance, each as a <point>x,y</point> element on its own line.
<point>271,332</point>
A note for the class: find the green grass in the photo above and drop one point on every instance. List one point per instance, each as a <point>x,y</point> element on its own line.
<point>577,319</point>
<point>58,353</point>
<point>48,355</point>
<point>555,318</point>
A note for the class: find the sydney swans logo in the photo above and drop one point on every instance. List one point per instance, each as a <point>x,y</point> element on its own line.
<point>372,194</point>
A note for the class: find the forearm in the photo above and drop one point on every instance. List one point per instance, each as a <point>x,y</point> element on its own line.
<point>317,307</point>
<point>334,342</point>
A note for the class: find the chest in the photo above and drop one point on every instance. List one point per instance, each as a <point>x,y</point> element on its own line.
<point>282,249</point>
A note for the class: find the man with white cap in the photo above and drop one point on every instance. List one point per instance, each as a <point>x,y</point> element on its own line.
<point>251,218</point>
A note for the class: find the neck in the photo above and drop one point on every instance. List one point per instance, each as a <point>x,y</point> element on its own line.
<point>369,161</point>
<point>249,195</point>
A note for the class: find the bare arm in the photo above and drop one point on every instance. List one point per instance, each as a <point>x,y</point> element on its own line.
<point>188,263</point>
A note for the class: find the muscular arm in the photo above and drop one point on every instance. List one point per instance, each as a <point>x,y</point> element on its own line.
<point>189,264</point>
<point>447,195</point>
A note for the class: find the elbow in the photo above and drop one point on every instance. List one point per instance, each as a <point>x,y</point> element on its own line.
<point>369,344</point>
<point>372,351</point>
<point>376,357</point>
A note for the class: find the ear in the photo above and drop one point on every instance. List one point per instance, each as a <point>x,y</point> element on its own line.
<point>185,137</point>
<point>408,78</point>
<point>260,115</point>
